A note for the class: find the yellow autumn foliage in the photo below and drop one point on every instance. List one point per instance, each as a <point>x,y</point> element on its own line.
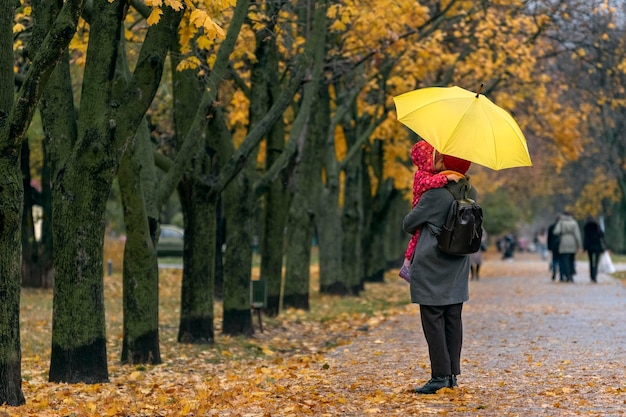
<point>496,34</point>
<point>470,46</point>
<point>155,16</point>
<point>600,189</point>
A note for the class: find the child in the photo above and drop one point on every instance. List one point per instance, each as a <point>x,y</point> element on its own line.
<point>427,177</point>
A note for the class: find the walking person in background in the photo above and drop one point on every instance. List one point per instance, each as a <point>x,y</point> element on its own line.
<point>592,243</point>
<point>439,282</point>
<point>509,244</point>
<point>476,258</point>
<point>553,247</point>
<point>570,242</point>
<point>541,240</point>
<point>425,178</point>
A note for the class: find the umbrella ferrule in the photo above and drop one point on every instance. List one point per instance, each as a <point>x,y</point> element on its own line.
<point>479,90</point>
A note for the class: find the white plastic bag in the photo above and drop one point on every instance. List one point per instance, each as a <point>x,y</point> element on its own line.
<point>605,265</point>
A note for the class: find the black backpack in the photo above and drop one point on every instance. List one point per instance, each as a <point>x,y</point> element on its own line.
<point>462,232</point>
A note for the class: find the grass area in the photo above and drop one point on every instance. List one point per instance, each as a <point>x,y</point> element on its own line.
<point>618,258</point>
<point>170,260</point>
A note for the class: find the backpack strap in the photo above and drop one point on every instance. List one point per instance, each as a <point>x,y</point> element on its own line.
<point>464,192</point>
<point>465,189</point>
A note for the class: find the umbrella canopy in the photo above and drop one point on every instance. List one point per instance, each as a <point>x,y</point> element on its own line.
<point>464,124</point>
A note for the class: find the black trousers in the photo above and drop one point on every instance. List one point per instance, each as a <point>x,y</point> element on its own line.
<point>566,266</point>
<point>594,257</point>
<point>443,330</point>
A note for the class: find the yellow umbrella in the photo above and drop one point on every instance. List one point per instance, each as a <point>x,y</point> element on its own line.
<point>464,124</point>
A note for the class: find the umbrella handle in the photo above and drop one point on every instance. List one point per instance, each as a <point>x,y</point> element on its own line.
<point>479,90</point>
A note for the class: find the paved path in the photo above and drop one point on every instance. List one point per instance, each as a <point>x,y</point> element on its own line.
<point>533,347</point>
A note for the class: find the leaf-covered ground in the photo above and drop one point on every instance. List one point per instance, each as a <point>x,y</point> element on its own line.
<point>533,347</point>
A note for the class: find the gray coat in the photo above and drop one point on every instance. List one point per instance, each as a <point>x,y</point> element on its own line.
<point>436,277</point>
<point>567,228</point>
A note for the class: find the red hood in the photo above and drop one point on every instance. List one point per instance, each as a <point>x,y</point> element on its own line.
<point>422,156</point>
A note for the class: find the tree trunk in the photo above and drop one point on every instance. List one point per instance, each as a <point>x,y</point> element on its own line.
<point>396,239</point>
<point>140,275</point>
<point>298,254</point>
<point>351,225</point>
<point>265,89</point>
<point>45,245</point>
<point>357,189</point>
<point>197,303</point>
<point>376,208</point>
<point>238,209</point>
<point>329,231</point>
<point>374,238</point>
<point>238,203</point>
<point>11,195</point>
<point>60,132</point>
<point>300,224</point>
<point>615,227</point>
<point>81,189</point>
<point>373,270</point>
<point>78,327</point>
<point>307,173</point>
<point>199,212</point>
<point>328,214</point>
<point>139,191</point>
<point>31,267</point>
<point>58,119</point>
<point>15,117</point>
<point>306,187</point>
<point>220,241</point>
<point>277,202</point>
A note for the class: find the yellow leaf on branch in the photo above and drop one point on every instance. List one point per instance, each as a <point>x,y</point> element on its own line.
<point>174,4</point>
<point>154,17</point>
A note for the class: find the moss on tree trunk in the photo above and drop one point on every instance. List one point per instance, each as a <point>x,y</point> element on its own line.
<point>265,89</point>
<point>11,194</point>
<point>78,322</point>
<point>141,277</point>
<point>197,303</point>
<point>238,256</point>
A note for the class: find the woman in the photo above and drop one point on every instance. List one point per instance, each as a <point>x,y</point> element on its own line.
<point>592,243</point>
<point>424,179</point>
<point>439,282</point>
<point>569,243</point>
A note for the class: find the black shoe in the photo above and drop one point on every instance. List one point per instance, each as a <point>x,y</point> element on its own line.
<point>453,382</point>
<point>434,385</point>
